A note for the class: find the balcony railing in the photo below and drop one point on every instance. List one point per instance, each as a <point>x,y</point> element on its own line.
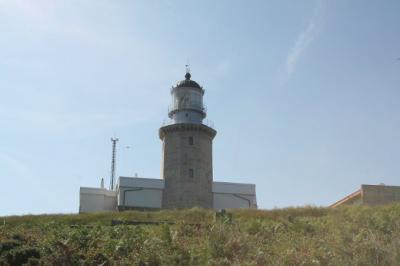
<point>206,122</point>
<point>173,88</point>
<point>196,107</point>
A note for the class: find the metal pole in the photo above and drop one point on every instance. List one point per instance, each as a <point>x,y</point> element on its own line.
<point>114,146</point>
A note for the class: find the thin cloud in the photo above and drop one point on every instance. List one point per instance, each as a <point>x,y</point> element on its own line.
<point>302,42</point>
<point>305,38</point>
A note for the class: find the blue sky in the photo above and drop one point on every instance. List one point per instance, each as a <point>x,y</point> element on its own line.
<point>304,94</point>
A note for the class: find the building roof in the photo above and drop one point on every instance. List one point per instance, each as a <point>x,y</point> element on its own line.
<point>371,195</point>
<point>353,196</point>
<point>217,187</point>
<point>125,181</point>
<point>228,187</point>
<point>187,82</point>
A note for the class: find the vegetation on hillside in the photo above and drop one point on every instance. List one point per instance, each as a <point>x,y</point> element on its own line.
<point>295,236</point>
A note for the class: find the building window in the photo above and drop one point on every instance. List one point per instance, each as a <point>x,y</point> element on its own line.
<point>191,172</point>
<point>187,115</point>
<point>190,140</point>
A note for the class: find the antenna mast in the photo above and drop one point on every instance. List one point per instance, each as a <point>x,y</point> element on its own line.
<point>114,147</point>
<point>187,66</point>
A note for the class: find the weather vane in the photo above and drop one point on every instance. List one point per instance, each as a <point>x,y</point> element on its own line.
<point>187,66</point>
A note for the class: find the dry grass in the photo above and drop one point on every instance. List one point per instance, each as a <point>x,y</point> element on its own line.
<point>292,236</point>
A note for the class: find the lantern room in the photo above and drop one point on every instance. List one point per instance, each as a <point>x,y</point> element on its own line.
<point>187,102</point>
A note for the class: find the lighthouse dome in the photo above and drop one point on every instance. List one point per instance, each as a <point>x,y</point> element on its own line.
<point>187,82</point>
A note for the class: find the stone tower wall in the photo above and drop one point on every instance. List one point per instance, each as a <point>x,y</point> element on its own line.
<point>185,188</point>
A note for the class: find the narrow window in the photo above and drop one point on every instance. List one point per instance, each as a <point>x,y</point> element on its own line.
<point>190,140</point>
<point>191,174</point>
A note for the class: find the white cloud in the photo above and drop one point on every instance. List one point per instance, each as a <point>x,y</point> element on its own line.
<point>304,39</point>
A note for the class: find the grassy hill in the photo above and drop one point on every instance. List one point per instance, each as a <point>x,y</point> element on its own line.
<point>293,236</point>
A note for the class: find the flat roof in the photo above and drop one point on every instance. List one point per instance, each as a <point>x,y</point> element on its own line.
<point>217,186</point>
<point>234,188</point>
<point>98,191</point>
<point>380,186</point>
<point>125,181</point>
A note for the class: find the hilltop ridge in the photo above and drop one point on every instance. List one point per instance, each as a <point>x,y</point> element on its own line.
<point>356,235</point>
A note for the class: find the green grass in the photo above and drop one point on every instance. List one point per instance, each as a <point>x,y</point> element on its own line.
<point>294,236</point>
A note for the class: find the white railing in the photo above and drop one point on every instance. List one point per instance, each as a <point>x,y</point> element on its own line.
<point>206,122</point>
<point>173,108</point>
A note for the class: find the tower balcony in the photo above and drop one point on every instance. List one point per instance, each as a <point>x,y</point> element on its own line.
<point>206,122</point>
<point>202,109</point>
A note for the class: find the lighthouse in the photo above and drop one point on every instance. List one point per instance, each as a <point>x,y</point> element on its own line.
<point>186,167</point>
<point>187,149</point>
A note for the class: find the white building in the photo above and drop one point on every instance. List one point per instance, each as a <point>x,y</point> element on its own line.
<point>187,172</point>
<point>146,193</point>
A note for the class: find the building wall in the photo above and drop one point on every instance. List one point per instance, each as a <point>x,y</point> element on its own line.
<point>147,193</point>
<point>232,201</point>
<point>143,198</point>
<point>110,202</point>
<point>228,195</point>
<point>140,193</point>
<point>181,189</point>
<point>97,199</point>
<point>380,194</point>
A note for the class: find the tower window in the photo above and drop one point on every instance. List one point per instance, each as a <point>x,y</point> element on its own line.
<point>191,172</point>
<point>191,140</point>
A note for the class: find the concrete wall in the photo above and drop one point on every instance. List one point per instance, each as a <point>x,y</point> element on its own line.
<point>136,192</point>
<point>234,195</point>
<point>142,198</point>
<point>97,199</point>
<point>371,195</point>
<point>181,189</point>
<point>380,194</point>
<point>147,193</point>
<point>231,201</point>
<point>140,193</point>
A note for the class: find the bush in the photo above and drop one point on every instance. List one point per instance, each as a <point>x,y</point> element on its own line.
<point>21,255</point>
<point>356,235</point>
<point>8,245</point>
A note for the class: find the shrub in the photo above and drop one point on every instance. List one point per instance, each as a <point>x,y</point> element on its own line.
<point>355,235</point>
<point>21,255</point>
<point>8,245</point>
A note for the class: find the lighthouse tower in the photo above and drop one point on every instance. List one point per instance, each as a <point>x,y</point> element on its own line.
<point>187,149</point>
<point>187,168</point>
